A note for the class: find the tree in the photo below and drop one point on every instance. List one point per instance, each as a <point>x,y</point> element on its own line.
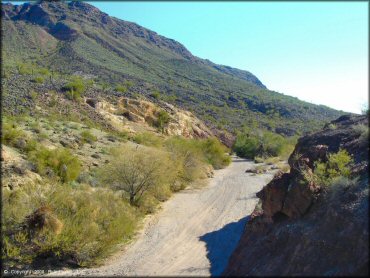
<point>135,170</point>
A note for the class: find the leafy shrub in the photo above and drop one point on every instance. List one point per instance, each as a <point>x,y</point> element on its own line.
<point>155,94</point>
<point>88,137</point>
<point>148,139</point>
<point>263,144</point>
<point>363,132</point>
<point>163,118</point>
<point>246,146</point>
<point>332,126</point>
<point>90,222</point>
<point>338,164</point>
<point>215,153</point>
<point>24,69</point>
<point>38,79</point>
<point>187,156</point>
<point>193,154</point>
<point>58,162</point>
<point>135,171</point>
<point>121,88</point>
<point>10,134</point>
<point>75,88</point>
<point>43,71</point>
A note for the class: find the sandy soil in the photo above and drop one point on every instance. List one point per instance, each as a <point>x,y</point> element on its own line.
<point>194,233</point>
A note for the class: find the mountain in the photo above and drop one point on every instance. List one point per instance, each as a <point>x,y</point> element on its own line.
<point>303,226</point>
<point>75,37</point>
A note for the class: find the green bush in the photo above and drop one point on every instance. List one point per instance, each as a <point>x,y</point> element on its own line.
<point>88,137</point>
<point>363,132</point>
<point>163,118</point>
<point>10,134</point>
<point>188,157</point>
<point>24,69</point>
<point>75,88</point>
<point>38,79</point>
<point>246,146</point>
<point>148,139</point>
<point>88,223</point>
<point>121,88</point>
<point>59,162</point>
<point>337,165</point>
<point>263,144</point>
<point>155,94</point>
<point>215,153</point>
<point>43,71</point>
<point>135,171</point>
<point>193,154</point>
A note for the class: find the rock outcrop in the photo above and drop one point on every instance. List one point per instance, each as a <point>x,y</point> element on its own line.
<point>299,228</point>
<point>126,112</point>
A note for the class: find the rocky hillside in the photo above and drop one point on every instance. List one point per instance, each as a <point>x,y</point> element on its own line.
<point>302,227</point>
<point>75,37</point>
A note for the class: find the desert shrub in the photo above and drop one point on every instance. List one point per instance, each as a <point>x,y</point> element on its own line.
<point>121,136</point>
<point>43,71</point>
<point>24,68</point>
<point>38,79</point>
<point>10,133</point>
<point>338,164</point>
<point>363,132</point>
<point>135,171</point>
<point>59,162</point>
<point>332,126</point>
<point>85,224</point>
<point>148,139</point>
<point>215,153</point>
<point>88,137</point>
<point>188,157</point>
<point>121,88</point>
<point>246,146</point>
<point>33,95</point>
<point>263,144</point>
<point>35,127</point>
<point>155,94</point>
<point>258,159</point>
<point>272,160</point>
<point>163,118</point>
<point>75,88</point>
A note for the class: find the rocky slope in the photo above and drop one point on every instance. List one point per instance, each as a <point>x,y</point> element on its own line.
<point>70,37</point>
<point>301,228</point>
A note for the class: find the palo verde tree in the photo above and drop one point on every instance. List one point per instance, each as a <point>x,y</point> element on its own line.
<point>135,171</point>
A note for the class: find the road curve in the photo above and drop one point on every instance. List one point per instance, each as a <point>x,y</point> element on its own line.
<point>194,233</point>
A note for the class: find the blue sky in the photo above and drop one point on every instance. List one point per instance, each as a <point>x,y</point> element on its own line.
<point>316,51</point>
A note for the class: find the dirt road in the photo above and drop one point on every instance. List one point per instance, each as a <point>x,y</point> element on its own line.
<point>194,233</point>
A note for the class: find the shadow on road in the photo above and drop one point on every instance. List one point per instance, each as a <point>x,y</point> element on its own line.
<point>221,243</point>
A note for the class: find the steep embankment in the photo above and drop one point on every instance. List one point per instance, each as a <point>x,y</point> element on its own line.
<point>304,228</point>
<point>76,37</point>
<point>194,233</point>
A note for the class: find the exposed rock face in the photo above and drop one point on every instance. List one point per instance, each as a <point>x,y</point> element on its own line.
<point>301,229</point>
<point>145,113</point>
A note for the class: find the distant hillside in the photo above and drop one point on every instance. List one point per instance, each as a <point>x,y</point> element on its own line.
<point>76,37</point>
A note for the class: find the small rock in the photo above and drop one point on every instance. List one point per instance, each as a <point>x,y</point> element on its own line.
<point>95,155</point>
